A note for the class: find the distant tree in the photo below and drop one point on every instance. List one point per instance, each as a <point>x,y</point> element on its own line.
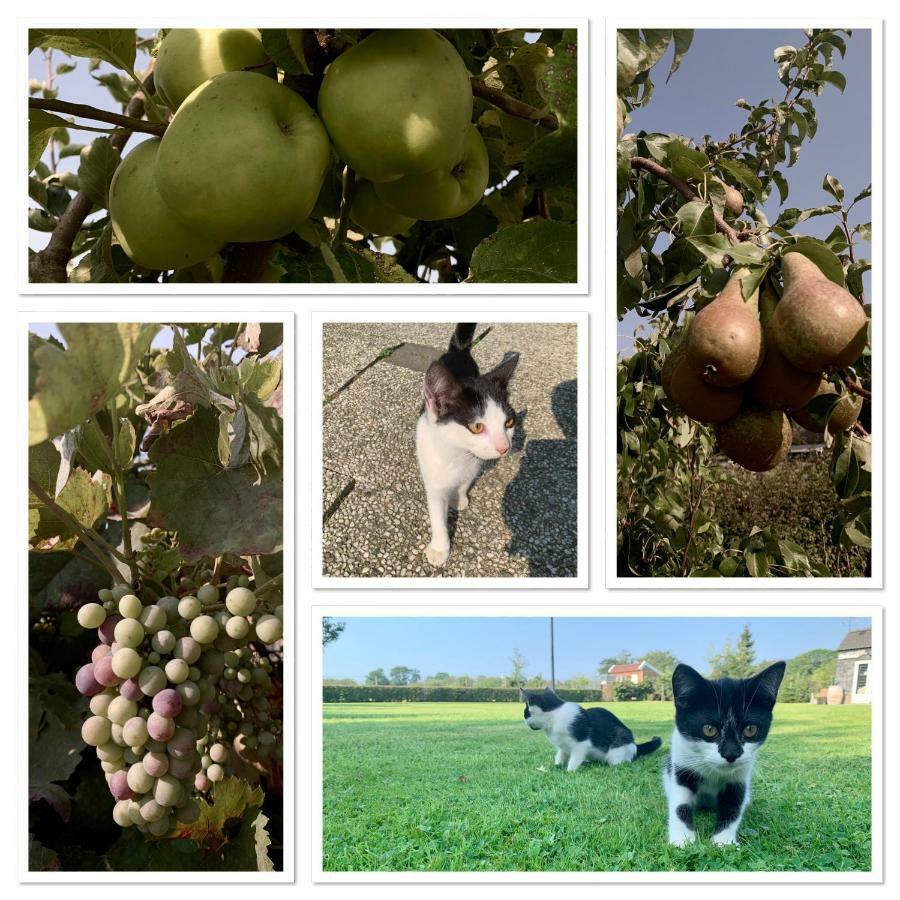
<point>664,661</point>
<point>617,659</point>
<point>339,682</point>
<point>735,661</point>
<point>578,683</point>
<point>402,675</point>
<point>518,665</point>
<point>377,676</point>
<point>440,678</point>
<point>331,630</point>
<point>536,681</point>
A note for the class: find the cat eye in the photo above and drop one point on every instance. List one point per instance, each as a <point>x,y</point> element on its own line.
<point>510,422</point>
<point>710,731</point>
<point>750,731</point>
<point>476,427</point>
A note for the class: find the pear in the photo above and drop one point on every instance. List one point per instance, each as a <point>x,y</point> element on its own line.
<point>777,384</point>
<point>725,342</point>
<point>843,416</point>
<point>374,216</point>
<point>144,225</point>
<point>817,323</point>
<point>701,401</point>
<point>734,199</point>
<point>756,438</point>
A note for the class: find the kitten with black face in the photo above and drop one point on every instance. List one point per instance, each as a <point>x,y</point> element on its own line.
<point>465,420</point>
<point>720,725</point>
<point>581,734</point>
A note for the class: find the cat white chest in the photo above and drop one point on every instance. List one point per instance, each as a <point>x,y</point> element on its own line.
<point>444,467</point>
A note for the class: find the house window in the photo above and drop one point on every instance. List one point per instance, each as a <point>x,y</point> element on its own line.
<point>862,675</point>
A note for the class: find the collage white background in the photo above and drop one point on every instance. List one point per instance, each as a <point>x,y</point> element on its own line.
<point>598,303</point>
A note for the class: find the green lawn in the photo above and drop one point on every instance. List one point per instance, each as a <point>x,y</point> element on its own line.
<point>467,787</point>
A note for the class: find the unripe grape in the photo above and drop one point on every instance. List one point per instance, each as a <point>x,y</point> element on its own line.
<point>154,658</point>
<point>163,826</point>
<point>168,791</point>
<point>181,744</point>
<point>194,673</point>
<point>244,676</point>
<point>155,764</point>
<point>279,612</point>
<point>208,594</point>
<point>204,630</point>
<point>189,693</point>
<point>96,731</point>
<point>109,752</point>
<point>243,581</point>
<point>189,607</point>
<point>182,768</point>
<point>121,709</point>
<point>134,813</point>
<point>126,663</point>
<point>119,591</point>
<point>151,810</point>
<point>116,732</point>
<point>268,629</point>
<point>154,619</point>
<point>100,703</point>
<point>152,680</point>
<point>188,812</point>
<point>169,605</point>
<point>130,606</point>
<point>218,753</point>
<point>177,670</point>
<point>91,615</point>
<point>104,595</point>
<point>188,717</point>
<point>154,746</point>
<point>215,773</point>
<point>160,728</point>
<point>134,732</point>
<point>138,779</point>
<point>241,601</point>
<point>120,814</point>
<point>266,738</point>
<point>237,627</point>
<point>188,649</point>
<point>167,703</point>
<point>129,633</point>
<point>163,642</point>
<point>111,766</point>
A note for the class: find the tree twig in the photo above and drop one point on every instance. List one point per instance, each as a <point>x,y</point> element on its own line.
<point>348,188</point>
<point>856,387</point>
<point>686,191</point>
<point>49,265</point>
<point>512,106</point>
<point>129,123</point>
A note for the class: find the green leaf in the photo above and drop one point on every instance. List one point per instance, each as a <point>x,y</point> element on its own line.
<point>743,174</point>
<point>233,510</point>
<point>821,254</point>
<point>285,49</point>
<point>552,162</point>
<point>41,126</point>
<point>836,78</point>
<point>560,82</point>
<point>696,218</point>
<point>113,45</point>
<point>538,251</point>
<point>683,38</point>
<point>73,384</point>
<point>834,187</point>
<point>96,169</point>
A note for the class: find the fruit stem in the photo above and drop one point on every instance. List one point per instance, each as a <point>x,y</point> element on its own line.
<point>348,187</point>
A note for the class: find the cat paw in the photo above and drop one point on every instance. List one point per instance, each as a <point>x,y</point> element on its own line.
<point>682,838</point>
<point>725,839</point>
<point>462,502</point>
<point>436,556</point>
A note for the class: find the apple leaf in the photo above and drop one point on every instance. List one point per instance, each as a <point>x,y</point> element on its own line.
<point>561,79</point>
<point>537,251</point>
<point>72,384</point>
<point>96,169</point>
<point>113,45</point>
<point>214,509</point>
<point>41,125</point>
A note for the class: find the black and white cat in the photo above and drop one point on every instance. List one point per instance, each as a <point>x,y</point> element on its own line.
<point>466,420</point>
<point>719,727</point>
<point>581,734</point>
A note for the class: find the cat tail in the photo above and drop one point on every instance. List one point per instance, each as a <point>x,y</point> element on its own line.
<point>462,337</point>
<point>648,746</point>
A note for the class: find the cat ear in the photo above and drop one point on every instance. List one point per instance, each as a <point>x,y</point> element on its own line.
<point>441,390</point>
<point>686,683</point>
<point>764,685</point>
<point>504,372</point>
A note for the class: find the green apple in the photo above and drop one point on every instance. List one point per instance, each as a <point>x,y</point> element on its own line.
<point>443,193</point>
<point>189,56</point>
<point>243,159</point>
<point>397,103</point>
<point>373,216</point>
<point>144,224</point>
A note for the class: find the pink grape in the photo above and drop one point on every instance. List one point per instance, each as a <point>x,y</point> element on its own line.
<point>118,786</point>
<point>201,782</point>
<point>103,672</point>
<point>159,727</point>
<point>86,681</point>
<point>130,690</point>
<point>99,652</point>
<point>167,703</point>
<point>106,632</point>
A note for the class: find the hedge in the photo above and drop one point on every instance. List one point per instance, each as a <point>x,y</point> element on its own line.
<point>419,693</point>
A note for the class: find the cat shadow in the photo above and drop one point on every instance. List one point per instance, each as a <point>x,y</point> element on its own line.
<point>540,505</point>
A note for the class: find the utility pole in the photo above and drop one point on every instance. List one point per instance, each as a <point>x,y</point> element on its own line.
<point>552,657</point>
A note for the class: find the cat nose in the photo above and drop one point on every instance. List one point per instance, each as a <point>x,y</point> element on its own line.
<point>731,757</point>
<point>502,449</point>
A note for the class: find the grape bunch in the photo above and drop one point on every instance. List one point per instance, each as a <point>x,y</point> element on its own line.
<point>179,696</point>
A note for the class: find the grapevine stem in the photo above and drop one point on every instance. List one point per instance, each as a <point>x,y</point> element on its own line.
<point>119,491</point>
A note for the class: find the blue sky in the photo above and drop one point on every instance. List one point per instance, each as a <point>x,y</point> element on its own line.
<point>482,646</point>
<point>722,67</point>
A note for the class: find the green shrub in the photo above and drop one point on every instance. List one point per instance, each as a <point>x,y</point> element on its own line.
<point>420,693</point>
<point>628,690</point>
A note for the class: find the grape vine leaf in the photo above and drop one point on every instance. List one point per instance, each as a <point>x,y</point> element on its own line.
<point>537,251</point>
<point>72,384</point>
<point>214,509</point>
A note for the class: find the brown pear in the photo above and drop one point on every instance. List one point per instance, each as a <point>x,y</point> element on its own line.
<point>724,343</point>
<point>842,417</point>
<point>701,401</point>
<point>817,323</point>
<point>756,438</point>
<point>778,384</point>
<point>734,199</point>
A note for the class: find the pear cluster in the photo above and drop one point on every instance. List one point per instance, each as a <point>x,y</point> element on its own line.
<point>744,364</point>
<point>244,157</point>
<point>179,696</point>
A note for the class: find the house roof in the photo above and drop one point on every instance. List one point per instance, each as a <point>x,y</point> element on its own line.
<point>629,668</point>
<point>859,639</point>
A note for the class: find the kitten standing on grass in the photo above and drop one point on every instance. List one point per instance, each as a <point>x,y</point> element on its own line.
<point>580,734</point>
<point>719,727</point>
<point>466,420</point>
